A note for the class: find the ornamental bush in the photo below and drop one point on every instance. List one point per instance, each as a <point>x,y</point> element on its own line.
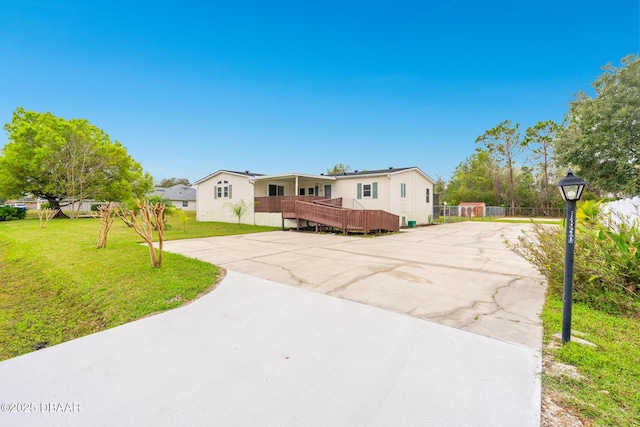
<point>607,261</point>
<point>7,213</point>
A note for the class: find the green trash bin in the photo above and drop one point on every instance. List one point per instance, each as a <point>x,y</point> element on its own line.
<point>412,224</point>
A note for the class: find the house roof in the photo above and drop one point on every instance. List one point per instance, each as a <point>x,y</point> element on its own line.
<point>389,171</point>
<point>294,175</point>
<point>471,204</point>
<point>177,192</point>
<point>259,176</point>
<point>245,174</point>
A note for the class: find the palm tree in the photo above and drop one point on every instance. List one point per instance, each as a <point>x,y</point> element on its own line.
<point>238,209</point>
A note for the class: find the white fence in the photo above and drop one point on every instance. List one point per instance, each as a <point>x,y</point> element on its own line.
<point>624,210</point>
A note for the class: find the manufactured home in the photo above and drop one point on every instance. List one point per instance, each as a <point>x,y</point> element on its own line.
<point>406,193</point>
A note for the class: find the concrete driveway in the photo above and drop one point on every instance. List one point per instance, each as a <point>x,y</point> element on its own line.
<point>460,275</point>
<point>256,352</point>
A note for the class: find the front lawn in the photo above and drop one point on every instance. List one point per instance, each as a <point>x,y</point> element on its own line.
<point>607,390</point>
<point>56,285</point>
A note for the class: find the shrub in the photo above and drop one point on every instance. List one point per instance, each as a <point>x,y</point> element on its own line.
<point>606,267</point>
<point>7,213</point>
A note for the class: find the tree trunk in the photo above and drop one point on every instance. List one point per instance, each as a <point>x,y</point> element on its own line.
<point>54,203</point>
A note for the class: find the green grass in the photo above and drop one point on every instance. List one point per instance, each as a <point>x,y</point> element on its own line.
<point>609,393</point>
<point>56,285</point>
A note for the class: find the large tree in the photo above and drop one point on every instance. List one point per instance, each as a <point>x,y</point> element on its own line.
<point>66,161</point>
<point>601,137</point>
<point>476,179</point>
<point>339,169</point>
<point>440,187</point>
<point>505,144</point>
<point>540,139</point>
<point>170,182</point>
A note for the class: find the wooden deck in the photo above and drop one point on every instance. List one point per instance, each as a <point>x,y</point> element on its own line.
<point>273,204</point>
<point>330,213</point>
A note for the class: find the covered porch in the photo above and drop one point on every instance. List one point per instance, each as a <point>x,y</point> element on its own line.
<point>293,184</point>
<point>298,197</point>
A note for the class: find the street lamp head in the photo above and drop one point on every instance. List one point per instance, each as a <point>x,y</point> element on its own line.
<point>571,186</point>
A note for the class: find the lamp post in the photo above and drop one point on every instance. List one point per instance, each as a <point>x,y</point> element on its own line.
<point>445,212</point>
<point>571,187</point>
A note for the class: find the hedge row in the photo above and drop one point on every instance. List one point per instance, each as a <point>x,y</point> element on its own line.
<point>7,213</point>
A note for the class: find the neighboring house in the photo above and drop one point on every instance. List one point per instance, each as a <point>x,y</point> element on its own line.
<point>406,192</point>
<point>28,203</point>
<point>181,196</point>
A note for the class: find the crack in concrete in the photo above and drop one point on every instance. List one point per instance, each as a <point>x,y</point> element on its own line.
<point>472,307</point>
<point>295,278</point>
<point>341,288</point>
<point>390,271</point>
<point>457,267</point>
<point>412,311</point>
<point>501,307</point>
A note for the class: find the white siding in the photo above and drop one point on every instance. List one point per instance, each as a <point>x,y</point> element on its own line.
<point>191,205</point>
<point>347,188</point>
<point>85,206</point>
<point>413,207</point>
<point>210,208</point>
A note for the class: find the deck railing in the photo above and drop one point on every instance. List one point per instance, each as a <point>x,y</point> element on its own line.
<point>336,203</point>
<point>363,221</point>
<point>273,204</point>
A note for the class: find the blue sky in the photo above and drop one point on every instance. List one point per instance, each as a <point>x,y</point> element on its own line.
<point>272,87</point>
